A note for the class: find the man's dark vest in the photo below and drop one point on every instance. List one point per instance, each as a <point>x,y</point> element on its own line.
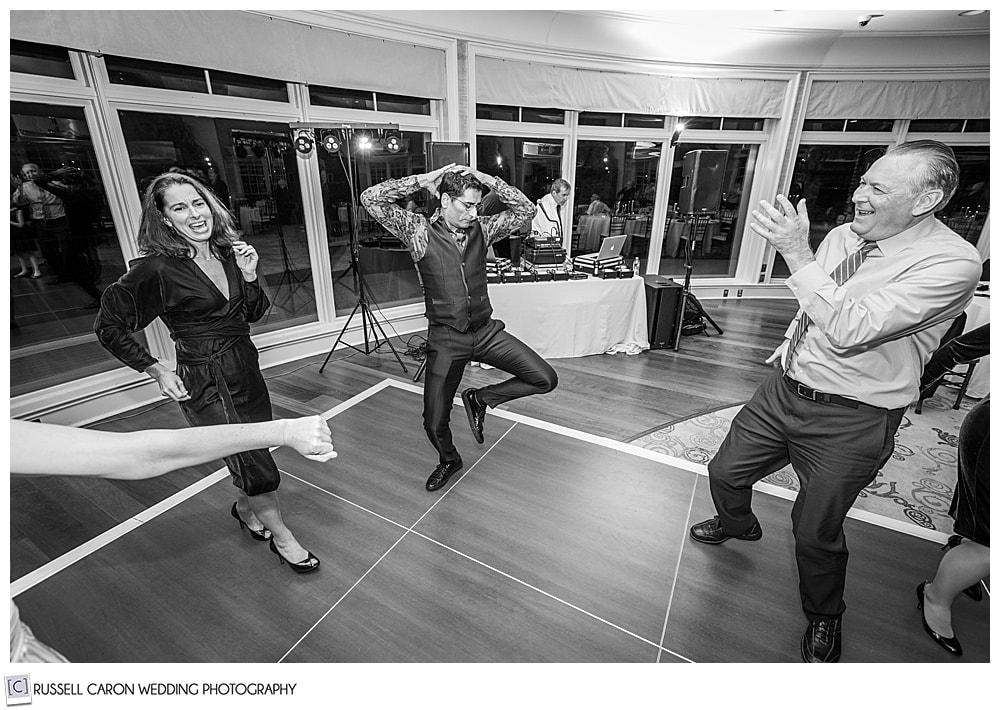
<point>455,284</point>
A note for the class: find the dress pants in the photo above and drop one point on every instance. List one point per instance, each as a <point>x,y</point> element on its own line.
<point>835,450</point>
<point>449,351</point>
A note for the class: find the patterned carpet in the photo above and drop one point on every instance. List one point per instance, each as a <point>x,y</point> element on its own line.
<point>915,486</point>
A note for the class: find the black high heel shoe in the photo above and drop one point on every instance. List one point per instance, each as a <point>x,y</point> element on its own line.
<point>951,645</point>
<point>975,592</point>
<point>263,534</point>
<point>309,564</point>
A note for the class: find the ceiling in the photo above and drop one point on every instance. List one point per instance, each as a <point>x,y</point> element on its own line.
<point>938,40</point>
<point>894,21</point>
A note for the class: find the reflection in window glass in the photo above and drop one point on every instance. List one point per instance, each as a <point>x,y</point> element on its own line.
<point>403,104</point>
<point>64,250</point>
<point>341,98</point>
<point>592,118</point>
<point>543,115</point>
<point>374,256</point>
<point>932,125</point>
<point>869,125</point>
<point>497,113</point>
<point>622,175</point>
<point>716,251</point>
<point>832,125</point>
<point>155,75</point>
<point>248,87</point>
<point>701,123</point>
<point>251,166</point>
<point>743,124</point>
<point>634,120</point>
<point>529,164</point>
<point>43,59</point>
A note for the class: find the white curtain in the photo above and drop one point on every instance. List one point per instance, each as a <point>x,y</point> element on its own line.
<point>242,43</point>
<point>517,83</point>
<point>953,98</point>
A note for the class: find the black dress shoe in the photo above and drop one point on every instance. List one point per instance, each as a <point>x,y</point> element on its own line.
<point>309,564</point>
<point>951,645</point>
<point>711,533</point>
<point>476,412</point>
<point>263,534</point>
<point>975,592</point>
<point>821,641</point>
<point>442,473</point>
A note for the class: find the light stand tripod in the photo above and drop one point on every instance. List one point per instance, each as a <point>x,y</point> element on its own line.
<point>290,277</point>
<point>686,295</point>
<point>368,319</point>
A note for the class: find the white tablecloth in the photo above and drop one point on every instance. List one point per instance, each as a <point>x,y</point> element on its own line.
<point>574,318</point>
<point>979,314</point>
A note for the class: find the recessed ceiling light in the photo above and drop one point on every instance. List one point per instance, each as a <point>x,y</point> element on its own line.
<point>970,13</point>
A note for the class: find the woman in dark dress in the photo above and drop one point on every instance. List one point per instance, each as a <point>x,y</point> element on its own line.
<point>967,560</point>
<point>201,281</point>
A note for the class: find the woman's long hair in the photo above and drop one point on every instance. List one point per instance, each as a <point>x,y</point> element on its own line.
<point>155,237</point>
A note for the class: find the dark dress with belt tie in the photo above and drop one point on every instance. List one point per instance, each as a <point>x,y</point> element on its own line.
<point>216,359</point>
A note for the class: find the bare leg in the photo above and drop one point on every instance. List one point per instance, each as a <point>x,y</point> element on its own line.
<point>961,567</point>
<point>265,508</point>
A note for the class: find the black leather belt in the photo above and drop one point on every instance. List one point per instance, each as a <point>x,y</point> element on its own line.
<point>816,396</point>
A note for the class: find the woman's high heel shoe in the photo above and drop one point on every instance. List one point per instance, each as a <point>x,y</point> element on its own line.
<point>309,564</point>
<point>975,592</point>
<point>951,645</point>
<point>263,534</point>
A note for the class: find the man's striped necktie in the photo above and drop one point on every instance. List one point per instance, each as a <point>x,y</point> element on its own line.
<point>844,271</point>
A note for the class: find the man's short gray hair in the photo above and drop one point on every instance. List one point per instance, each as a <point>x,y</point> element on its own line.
<point>940,170</point>
<point>558,185</point>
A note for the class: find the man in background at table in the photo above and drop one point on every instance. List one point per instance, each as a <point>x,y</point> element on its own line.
<point>875,301</point>
<point>596,206</point>
<point>548,219</point>
<point>450,253</point>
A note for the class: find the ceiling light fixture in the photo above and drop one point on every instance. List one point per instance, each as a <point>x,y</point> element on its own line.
<point>971,13</point>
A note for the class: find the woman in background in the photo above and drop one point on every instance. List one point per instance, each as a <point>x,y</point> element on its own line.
<point>200,279</point>
<point>967,560</point>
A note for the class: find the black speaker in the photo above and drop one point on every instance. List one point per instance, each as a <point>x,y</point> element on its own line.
<point>701,181</point>
<point>662,299</point>
<point>440,154</point>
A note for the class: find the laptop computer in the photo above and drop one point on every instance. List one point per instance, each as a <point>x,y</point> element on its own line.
<point>611,247</point>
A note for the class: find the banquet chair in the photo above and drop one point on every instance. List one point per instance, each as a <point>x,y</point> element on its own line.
<point>695,229</point>
<point>957,348</point>
<point>617,225</point>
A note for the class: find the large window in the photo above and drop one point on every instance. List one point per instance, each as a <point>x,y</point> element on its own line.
<point>41,59</point>
<point>64,249</point>
<point>827,176</point>
<point>361,250</point>
<point>622,176</point>
<point>967,210</point>
<point>714,247</point>
<point>529,164</point>
<point>251,166</point>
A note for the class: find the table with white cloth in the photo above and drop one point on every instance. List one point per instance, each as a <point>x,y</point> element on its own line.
<point>979,314</point>
<point>574,318</point>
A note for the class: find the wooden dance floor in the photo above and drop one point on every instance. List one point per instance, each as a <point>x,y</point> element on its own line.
<point>550,545</point>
